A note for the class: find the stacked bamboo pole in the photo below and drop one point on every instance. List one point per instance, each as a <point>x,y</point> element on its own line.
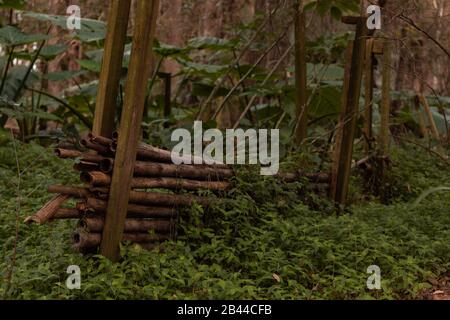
<point>151,215</point>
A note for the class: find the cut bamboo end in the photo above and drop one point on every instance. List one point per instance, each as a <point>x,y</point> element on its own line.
<point>106,142</point>
<point>95,178</point>
<point>73,154</point>
<point>66,154</point>
<point>86,166</point>
<point>106,165</point>
<point>48,210</point>
<point>88,144</point>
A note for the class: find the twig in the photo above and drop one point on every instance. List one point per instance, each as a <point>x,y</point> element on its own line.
<point>440,156</point>
<point>231,92</point>
<point>205,104</point>
<point>274,69</point>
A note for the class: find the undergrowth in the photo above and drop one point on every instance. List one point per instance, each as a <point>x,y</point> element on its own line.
<point>269,241</point>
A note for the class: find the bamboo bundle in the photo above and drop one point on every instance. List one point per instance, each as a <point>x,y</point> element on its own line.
<point>96,224</point>
<point>48,210</point>
<point>149,214</point>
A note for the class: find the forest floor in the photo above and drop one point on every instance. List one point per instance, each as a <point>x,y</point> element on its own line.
<point>270,241</point>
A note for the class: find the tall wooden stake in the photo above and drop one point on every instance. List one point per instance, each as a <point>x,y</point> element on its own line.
<point>349,113</point>
<point>301,130</point>
<point>108,89</point>
<point>130,127</point>
<point>433,127</point>
<point>368,95</point>
<point>385,101</point>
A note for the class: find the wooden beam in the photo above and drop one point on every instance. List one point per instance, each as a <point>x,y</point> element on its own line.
<point>352,20</point>
<point>368,95</point>
<point>130,127</point>
<point>349,116</point>
<point>385,107</point>
<point>105,109</point>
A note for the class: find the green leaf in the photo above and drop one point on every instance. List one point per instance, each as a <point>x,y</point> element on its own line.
<point>63,75</point>
<point>51,51</point>
<point>13,4</point>
<point>203,68</point>
<point>210,43</point>
<point>90,65</point>
<point>12,36</point>
<point>14,79</point>
<point>336,13</point>
<point>323,6</point>
<point>91,30</point>
<point>166,50</point>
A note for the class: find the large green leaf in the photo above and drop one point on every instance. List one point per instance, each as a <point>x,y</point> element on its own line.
<point>91,30</point>
<point>166,50</point>
<point>90,65</point>
<point>51,51</point>
<point>12,36</point>
<point>63,75</point>
<point>14,80</point>
<point>326,101</point>
<point>211,43</point>
<point>203,69</point>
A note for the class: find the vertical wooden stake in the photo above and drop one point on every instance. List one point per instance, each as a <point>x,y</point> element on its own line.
<point>130,127</point>
<point>422,125</point>
<point>349,116</point>
<point>105,109</point>
<point>301,129</point>
<point>426,106</point>
<point>368,95</point>
<point>340,128</point>
<point>385,101</point>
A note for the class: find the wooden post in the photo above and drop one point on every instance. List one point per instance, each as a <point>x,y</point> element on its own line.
<point>167,77</point>
<point>130,127</point>
<point>110,75</point>
<point>349,113</point>
<point>385,101</point>
<point>368,95</point>
<point>432,123</point>
<point>422,125</point>
<point>301,129</point>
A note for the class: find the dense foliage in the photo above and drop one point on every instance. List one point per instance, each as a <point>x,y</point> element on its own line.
<point>271,240</point>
